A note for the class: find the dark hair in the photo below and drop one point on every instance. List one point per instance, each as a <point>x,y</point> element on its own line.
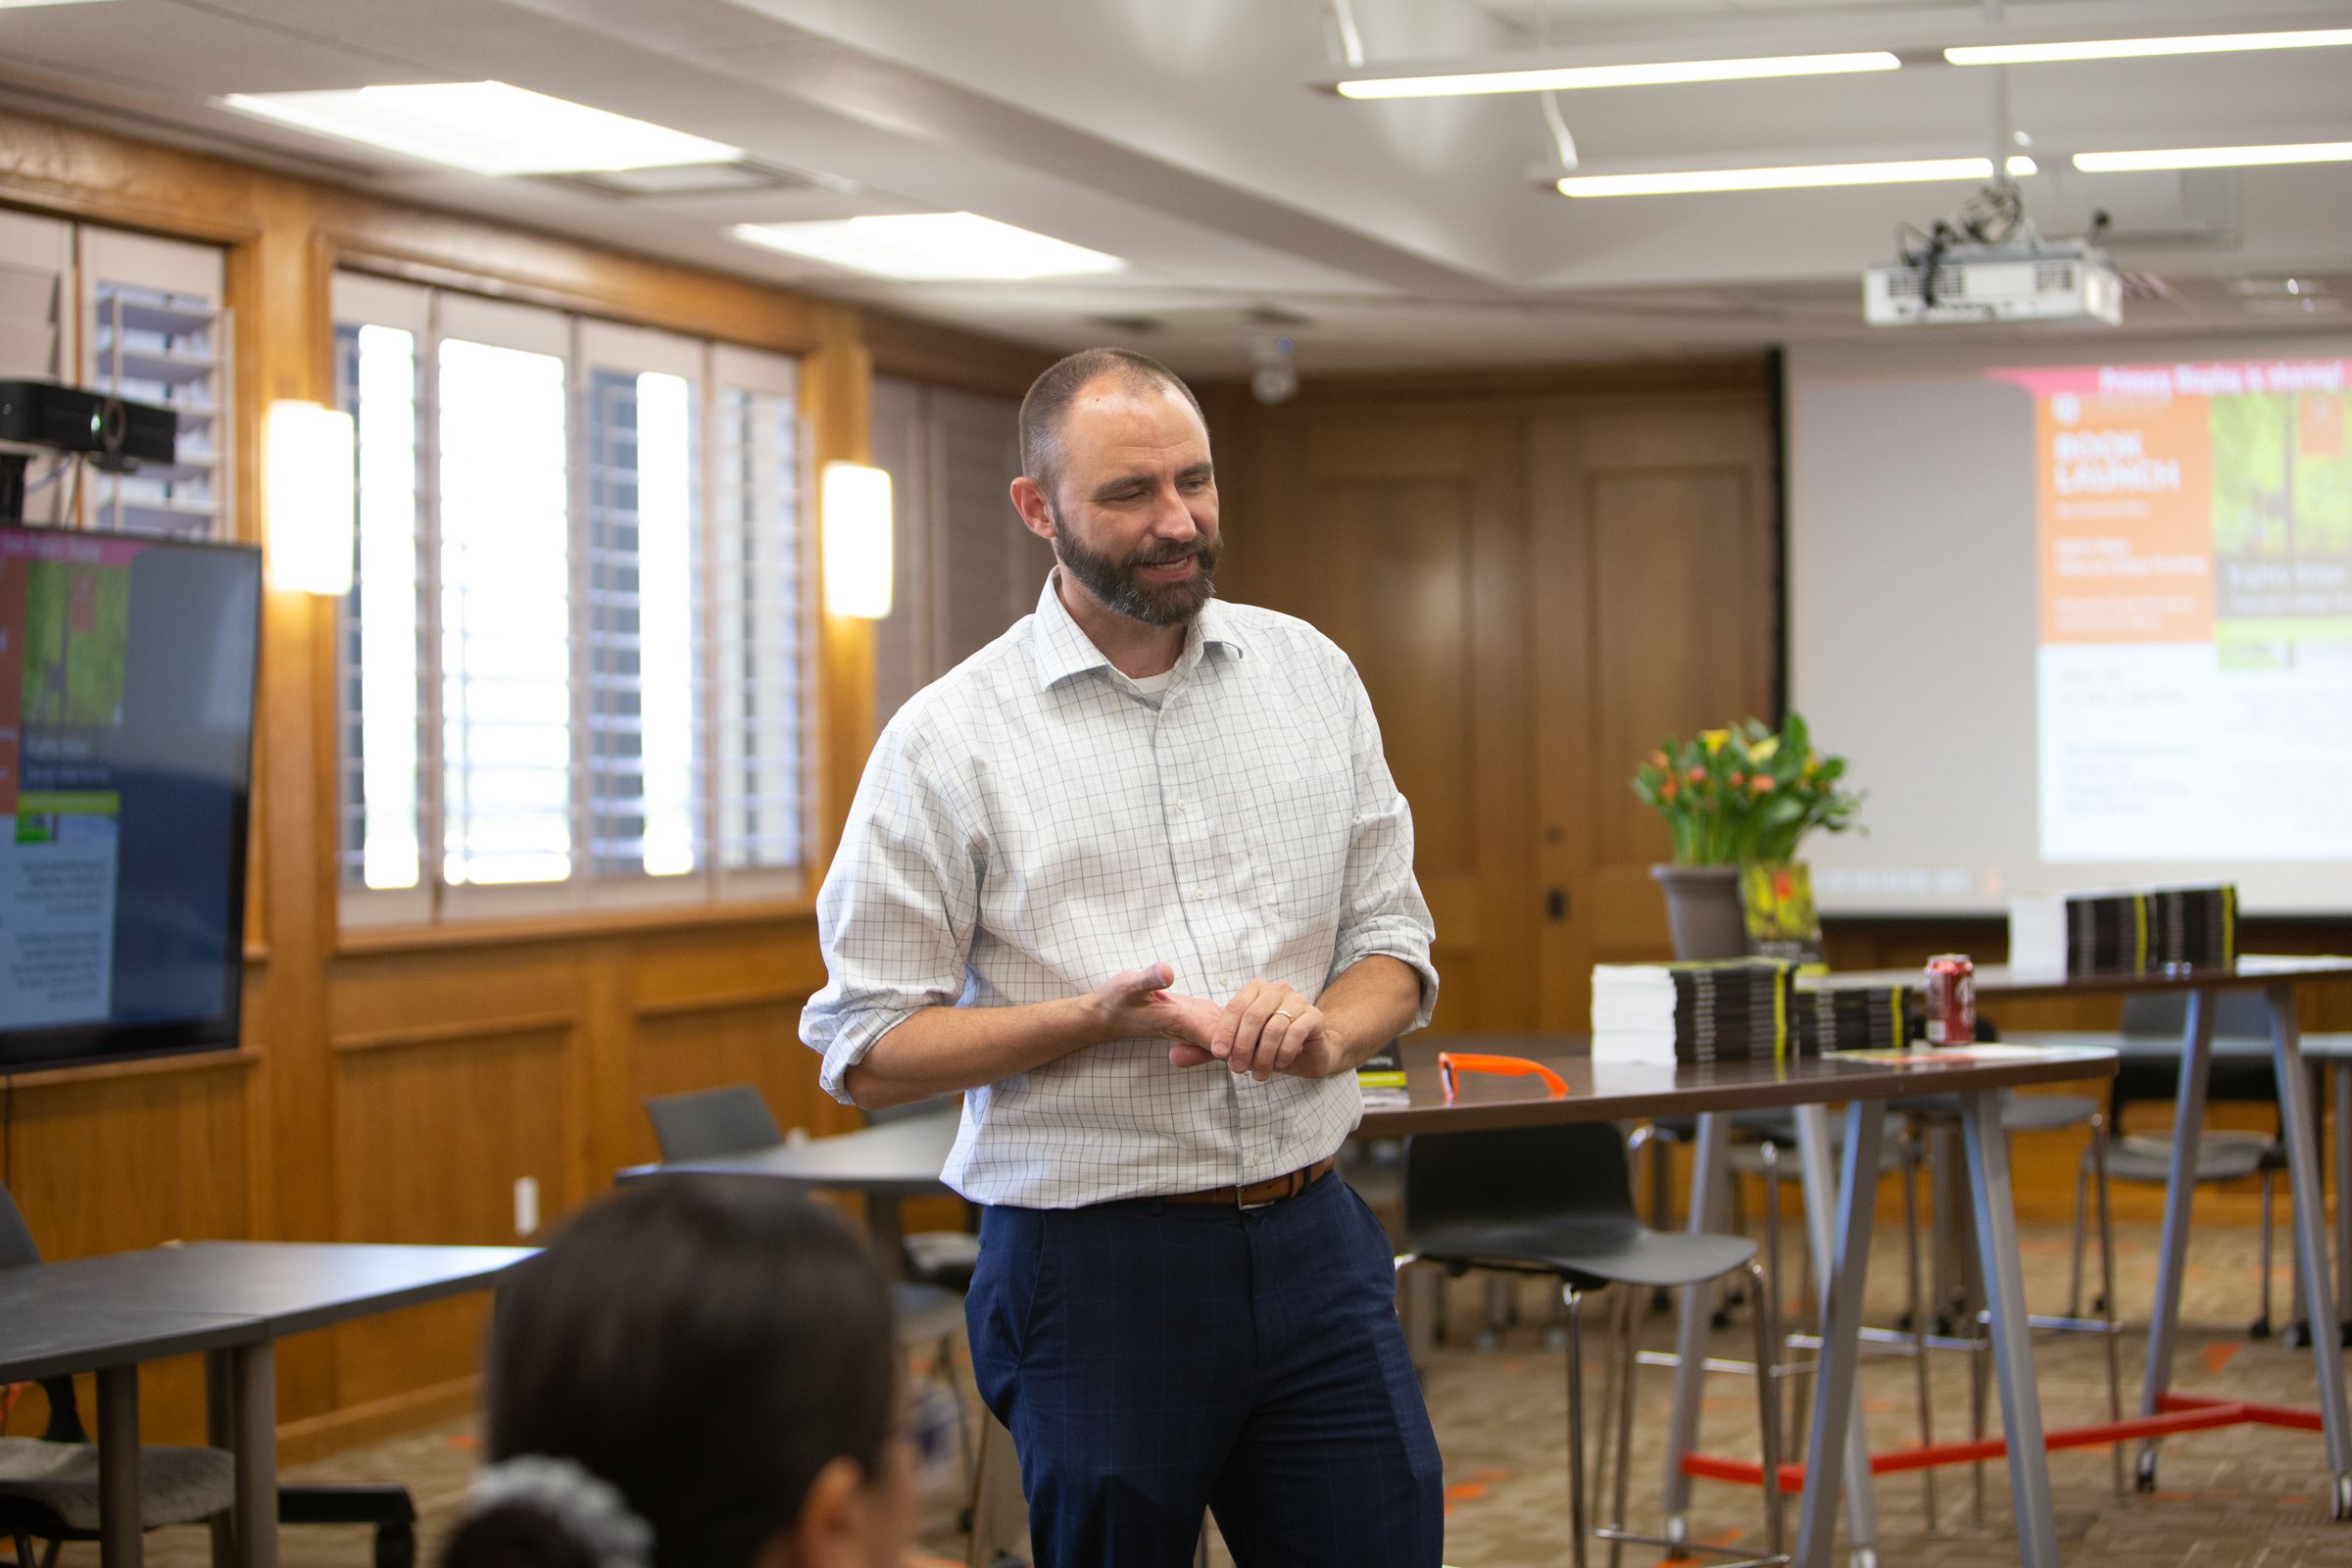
<point>705,1345</point>
<point>1048,401</point>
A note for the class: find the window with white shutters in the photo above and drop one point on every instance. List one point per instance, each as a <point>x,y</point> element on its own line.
<point>573,660</point>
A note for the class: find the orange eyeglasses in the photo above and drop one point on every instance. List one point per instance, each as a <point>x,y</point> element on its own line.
<point>1451,1062</point>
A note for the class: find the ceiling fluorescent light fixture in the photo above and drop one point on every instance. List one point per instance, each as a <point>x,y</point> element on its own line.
<point>2131,163</point>
<point>1790,177</point>
<point>1569,78</point>
<point>2214,44</point>
<point>931,247</point>
<point>490,127</point>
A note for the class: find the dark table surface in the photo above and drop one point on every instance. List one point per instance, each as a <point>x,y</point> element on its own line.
<point>895,1159</point>
<point>47,1339</point>
<point>287,1287</point>
<point>1998,979</point>
<point>1612,1091</point>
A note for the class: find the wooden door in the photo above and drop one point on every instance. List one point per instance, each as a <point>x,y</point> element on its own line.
<point>1400,532</point>
<point>1654,575</point>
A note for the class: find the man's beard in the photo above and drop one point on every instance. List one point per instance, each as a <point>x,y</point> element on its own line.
<point>1120,585</point>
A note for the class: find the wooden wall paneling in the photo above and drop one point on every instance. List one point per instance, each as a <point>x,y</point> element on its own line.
<point>943,355</point>
<point>443,1129</point>
<point>1658,543</point>
<point>132,1155</point>
<point>1397,532</point>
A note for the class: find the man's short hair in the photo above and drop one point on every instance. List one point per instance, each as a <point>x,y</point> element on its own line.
<point>1048,403</point>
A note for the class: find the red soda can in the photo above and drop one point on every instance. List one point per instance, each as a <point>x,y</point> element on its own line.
<point>1950,998</point>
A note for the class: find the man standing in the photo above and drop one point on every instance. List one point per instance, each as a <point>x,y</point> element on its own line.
<point>1135,876</point>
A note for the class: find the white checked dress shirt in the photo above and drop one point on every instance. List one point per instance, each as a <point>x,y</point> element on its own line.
<point>1033,823</point>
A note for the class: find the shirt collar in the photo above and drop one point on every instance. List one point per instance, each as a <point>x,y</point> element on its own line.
<point>1063,648</point>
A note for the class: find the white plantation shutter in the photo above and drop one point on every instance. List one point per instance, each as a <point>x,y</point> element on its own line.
<point>645,653</point>
<point>154,332</point>
<point>764,609</point>
<point>509,715</point>
<point>381,329</point>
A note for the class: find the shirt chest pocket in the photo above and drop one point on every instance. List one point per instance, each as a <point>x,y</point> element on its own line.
<point>1297,831</point>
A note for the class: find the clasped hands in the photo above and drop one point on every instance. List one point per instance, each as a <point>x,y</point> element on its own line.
<point>1266,1027</point>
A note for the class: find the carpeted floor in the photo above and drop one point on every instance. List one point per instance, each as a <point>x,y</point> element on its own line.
<point>2244,1495</point>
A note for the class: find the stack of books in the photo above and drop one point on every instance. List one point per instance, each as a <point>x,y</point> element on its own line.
<point>1742,1010</point>
<point>2124,932</point>
<point>1852,1018</point>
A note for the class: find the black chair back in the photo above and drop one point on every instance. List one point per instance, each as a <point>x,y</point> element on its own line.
<point>1530,1174</point>
<point>729,1120</point>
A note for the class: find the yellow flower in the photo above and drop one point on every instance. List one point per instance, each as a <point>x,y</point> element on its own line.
<point>1762,750</point>
<point>1714,739</point>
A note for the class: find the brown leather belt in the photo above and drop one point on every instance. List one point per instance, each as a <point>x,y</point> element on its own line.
<point>1257,1194</point>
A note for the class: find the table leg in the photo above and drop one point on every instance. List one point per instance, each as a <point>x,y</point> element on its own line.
<point>2011,1330</point>
<point>1840,1333</point>
<point>2311,1239</point>
<point>2181,1185</point>
<point>886,1228</point>
<point>254,1371</point>
<point>220,1432</point>
<point>2340,1072</point>
<point>1816,1169</point>
<point>120,1530</point>
<point>1707,1146</point>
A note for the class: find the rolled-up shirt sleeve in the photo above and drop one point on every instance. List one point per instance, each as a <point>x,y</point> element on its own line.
<point>1380,908</point>
<point>896,914</point>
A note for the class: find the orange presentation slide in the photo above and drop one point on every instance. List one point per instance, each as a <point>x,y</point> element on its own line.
<point>2195,502</point>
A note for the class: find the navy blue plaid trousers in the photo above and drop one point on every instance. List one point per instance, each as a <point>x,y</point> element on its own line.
<point>1152,1360</point>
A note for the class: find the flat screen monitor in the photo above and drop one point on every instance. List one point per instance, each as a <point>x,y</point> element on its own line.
<point>126,693</point>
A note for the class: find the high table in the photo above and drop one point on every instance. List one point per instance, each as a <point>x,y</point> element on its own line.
<point>888,1163</point>
<point>2277,978</point>
<point>231,1300</point>
<point>1618,1091</point>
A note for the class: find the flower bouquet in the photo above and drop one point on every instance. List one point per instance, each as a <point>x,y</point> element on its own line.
<point>1744,793</point>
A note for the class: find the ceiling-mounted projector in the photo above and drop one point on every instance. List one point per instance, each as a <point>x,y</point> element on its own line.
<point>2038,280</point>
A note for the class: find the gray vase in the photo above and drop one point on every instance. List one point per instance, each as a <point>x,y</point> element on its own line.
<point>1702,910</point>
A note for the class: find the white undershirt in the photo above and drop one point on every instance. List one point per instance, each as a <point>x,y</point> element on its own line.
<point>1154,685</point>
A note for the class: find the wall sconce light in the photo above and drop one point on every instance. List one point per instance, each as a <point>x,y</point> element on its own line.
<point>307,500</point>
<point>855,518</point>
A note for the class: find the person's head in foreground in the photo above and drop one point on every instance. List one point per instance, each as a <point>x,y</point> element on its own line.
<point>698,1373</point>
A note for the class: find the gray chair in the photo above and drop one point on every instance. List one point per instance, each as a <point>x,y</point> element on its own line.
<point>49,1483</point>
<point>1559,1201</point>
<point>709,1122</point>
<point>2241,1070</point>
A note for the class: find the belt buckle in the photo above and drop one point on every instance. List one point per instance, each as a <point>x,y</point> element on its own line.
<point>1244,1206</point>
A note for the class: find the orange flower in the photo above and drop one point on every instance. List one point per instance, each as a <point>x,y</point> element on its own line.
<point>1698,775</point>
<point>1761,783</point>
<point>1736,779</point>
<point>1670,789</point>
<point>1657,758</point>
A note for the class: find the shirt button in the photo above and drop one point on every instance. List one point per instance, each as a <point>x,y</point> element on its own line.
<point>1201,893</point>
